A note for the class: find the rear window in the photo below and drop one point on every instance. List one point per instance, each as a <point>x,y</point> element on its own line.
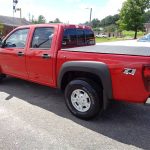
<point>77,37</point>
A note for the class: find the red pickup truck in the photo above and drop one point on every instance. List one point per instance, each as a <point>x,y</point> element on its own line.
<point>66,57</point>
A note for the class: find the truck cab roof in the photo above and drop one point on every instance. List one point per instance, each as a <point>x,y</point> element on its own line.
<point>57,25</point>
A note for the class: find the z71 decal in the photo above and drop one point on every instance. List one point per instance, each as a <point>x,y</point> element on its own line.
<point>129,71</point>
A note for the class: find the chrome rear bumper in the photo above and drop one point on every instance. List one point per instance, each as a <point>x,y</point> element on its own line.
<point>148,101</point>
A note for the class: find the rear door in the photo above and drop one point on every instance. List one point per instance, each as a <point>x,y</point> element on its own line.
<point>12,55</point>
<point>40,55</point>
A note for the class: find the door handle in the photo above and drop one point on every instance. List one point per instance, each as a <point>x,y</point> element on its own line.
<point>20,53</point>
<point>46,56</point>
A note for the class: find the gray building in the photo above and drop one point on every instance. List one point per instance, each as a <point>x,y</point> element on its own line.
<point>147,27</point>
<point>7,24</point>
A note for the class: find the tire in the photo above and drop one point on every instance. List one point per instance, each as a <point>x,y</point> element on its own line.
<point>84,98</point>
<point>2,76</point>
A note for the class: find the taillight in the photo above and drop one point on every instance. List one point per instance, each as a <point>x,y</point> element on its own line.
<point>146,74</point>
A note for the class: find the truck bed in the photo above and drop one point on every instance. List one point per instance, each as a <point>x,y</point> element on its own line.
<point>123,47</point>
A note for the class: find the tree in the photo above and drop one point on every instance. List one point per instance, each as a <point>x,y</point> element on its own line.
<point>132,15</point>
<point>86,23</point>
<point>111,28</point>
<point>109,20</point>
<point>147,17</point>
<point>95,23</point>
<point>55,21</point>
<point>41,19</point>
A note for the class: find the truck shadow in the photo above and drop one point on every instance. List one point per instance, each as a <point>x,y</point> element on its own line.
<point>126,123</point>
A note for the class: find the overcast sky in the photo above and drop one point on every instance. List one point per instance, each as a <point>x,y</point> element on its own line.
<point>72,11</point>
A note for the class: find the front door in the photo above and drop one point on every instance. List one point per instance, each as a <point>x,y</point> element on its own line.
<point>39,56</point>
<point>12,54</point>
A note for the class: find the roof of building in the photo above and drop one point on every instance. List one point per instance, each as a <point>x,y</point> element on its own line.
<point>13,21</point>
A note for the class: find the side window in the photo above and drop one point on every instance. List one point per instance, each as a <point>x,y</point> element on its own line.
<point>90,39</point>
<point>81,37</point>
<point>17,39</point>
<point>69,38</point>
<point>42,38</point>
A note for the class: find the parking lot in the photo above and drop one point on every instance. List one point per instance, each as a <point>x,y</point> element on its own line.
<point>35,117</point>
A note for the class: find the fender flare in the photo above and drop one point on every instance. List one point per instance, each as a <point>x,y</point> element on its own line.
<point>97,68</point>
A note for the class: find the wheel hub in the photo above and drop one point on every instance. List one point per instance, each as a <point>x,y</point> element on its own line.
<point>80,100</point>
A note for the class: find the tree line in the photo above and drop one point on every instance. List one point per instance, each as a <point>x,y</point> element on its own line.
<point>41,19</point>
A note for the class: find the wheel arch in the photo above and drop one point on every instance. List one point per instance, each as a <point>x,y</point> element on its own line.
<point>97,69</point>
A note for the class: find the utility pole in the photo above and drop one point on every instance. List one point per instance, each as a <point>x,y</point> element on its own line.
<point>90,16</point>
<point>29,17</point>
<point>14,9</point>
<point>19,9</point>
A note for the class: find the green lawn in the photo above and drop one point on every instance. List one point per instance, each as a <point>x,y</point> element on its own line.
<point>131,34</point>
<point>126,36</point>
<point>100,40</point>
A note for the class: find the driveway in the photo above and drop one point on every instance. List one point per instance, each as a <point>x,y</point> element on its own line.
<point>35,117</point>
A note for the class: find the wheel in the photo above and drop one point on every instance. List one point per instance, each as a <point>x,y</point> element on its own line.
<point>83,98</point>
<point>2,76</point>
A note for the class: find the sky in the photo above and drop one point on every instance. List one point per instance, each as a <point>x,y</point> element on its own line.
<point>68,11</point>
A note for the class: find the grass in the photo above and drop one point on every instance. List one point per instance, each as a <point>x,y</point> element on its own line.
<point>131,34</point>
<point>126,36</point>
<point>101,40</point>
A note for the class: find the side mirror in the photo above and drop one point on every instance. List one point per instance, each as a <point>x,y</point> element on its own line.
<point>2,44</point>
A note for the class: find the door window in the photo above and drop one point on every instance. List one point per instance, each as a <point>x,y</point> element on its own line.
<point>42,38</point>
<point>17,39</point>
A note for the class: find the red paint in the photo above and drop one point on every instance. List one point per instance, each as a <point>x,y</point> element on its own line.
<point>45,71</point>
<point>126,88</point>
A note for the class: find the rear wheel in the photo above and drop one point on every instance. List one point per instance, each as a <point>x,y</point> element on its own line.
<point>83,98</point>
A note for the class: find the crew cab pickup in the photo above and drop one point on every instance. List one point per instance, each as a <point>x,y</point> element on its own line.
<point>66,57</point>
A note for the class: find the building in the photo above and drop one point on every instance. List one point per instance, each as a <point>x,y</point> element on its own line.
<point>7,24</point>
<point>147,27</point>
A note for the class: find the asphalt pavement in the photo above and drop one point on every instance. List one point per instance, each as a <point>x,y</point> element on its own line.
<point>35,117</point>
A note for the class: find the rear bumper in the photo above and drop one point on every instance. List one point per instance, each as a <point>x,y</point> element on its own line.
<point>148,101</point>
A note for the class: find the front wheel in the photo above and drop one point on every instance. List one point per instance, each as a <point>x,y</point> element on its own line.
<point>2,76</point>
<point>84,98</point>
